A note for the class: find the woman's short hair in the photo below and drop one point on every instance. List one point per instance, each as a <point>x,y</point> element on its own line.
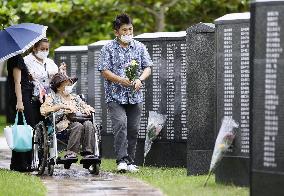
<point>121,20</point>
<point>41,41</point>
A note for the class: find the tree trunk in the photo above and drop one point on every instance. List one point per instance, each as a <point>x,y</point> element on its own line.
<point>160,21</point>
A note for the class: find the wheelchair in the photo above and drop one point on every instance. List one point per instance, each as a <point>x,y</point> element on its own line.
<point>48,143</point>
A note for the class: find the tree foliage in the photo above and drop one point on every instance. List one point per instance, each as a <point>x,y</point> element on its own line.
<point>78,22</point>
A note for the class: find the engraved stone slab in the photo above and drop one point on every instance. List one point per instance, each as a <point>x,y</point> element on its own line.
<point>165,92</point>
<point>267,168</point>
<point>233,80</point>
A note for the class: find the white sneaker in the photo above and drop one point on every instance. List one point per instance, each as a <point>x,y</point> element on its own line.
<point>132,168</point>
<point>122,167</point>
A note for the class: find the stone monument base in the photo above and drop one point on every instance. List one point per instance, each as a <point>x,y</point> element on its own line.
<point>233,170</point>
<point>162,154</point>
<point>267,184</point>
<point>198,161</point>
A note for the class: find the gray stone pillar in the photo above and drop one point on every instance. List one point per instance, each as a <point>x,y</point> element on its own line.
<point>201,97</point>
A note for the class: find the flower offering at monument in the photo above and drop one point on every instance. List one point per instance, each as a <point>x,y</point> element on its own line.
<point>224,140</point>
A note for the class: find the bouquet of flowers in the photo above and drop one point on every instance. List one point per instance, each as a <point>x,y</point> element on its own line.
<point>156,122</point>
<point>224,140</point>
<point>131,70</point>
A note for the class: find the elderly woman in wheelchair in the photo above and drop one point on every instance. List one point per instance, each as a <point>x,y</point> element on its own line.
<point>70,111</point>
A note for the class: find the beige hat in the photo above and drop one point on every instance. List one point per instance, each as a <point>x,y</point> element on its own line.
<point>58,78</point>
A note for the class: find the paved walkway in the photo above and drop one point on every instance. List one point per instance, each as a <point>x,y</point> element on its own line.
<point>78,181</point>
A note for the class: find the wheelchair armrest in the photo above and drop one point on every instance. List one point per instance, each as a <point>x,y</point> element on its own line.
<point>58,118</point>
<point>79,118</point>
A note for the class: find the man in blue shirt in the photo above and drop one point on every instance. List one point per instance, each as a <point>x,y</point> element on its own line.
<point>124,97</point>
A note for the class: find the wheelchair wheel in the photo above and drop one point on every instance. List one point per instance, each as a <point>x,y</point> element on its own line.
<point>42,146</point>
<point>94,169</point>
<point>67,166</point>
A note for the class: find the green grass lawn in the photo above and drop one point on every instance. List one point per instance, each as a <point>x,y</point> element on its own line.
<point>15,183</point>
<point>175,182</point>
<point>171,181</point>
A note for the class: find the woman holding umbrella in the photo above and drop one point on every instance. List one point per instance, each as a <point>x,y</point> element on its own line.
<point>16,40</point>
<point>20,95</point>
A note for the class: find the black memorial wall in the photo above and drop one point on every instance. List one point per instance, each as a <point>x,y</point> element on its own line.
<point>165,93</point>
<point>267,43</point>
<point>233,95</point>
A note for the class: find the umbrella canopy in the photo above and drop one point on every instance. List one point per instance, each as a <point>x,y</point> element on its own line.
<point>17,39</point>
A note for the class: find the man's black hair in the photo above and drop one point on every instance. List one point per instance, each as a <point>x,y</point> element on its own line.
<point>121,20</point>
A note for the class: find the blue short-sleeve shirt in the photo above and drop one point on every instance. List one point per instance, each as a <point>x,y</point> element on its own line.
<point>115,58</point>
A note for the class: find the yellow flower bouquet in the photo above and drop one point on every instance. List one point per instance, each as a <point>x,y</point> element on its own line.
<point>131,71</point>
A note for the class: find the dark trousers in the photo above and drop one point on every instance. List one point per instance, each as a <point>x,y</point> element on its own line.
<point>125,120</point>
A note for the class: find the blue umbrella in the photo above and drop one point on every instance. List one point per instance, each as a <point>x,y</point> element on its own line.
<point>17,39</point>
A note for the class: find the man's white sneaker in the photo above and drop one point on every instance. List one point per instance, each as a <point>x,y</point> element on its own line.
<point>122,167</point>
<point>132,168</point>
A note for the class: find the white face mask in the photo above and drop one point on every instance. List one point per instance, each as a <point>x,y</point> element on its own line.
<point>68,89</point>
<point>126,38</point>
<point>42,54</point>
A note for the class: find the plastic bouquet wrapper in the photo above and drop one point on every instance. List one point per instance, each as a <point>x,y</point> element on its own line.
<point>131,70</point>
<point>156,122</point>
<point>224,140</point>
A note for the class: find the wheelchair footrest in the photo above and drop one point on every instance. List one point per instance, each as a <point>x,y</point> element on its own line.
<point>90,161</point>
<point>66,160</point>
